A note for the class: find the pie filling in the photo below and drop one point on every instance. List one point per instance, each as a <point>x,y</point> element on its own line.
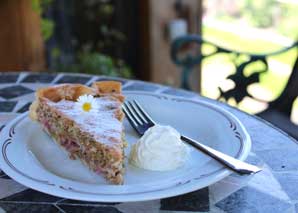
<point>104,159</point>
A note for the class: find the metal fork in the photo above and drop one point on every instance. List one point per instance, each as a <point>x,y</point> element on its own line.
<point>141,121</point>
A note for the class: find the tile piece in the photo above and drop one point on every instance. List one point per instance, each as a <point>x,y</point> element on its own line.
<point>9,187</point>
<point>32,196</point>
<point>27,207</point>
<point>88,209</point>
<point>282,159</point>
<point>8,78</point>
<point>122,81</point>
<point>4,176</point>
<point>151,206</point>
<point>14,91</point>
<point>24,108</point>
<point>36,86</point>
<point>73,79</point>
<point>269,141</point>
<point>179,92</point>
<point>7,106</point>
<point>78,202</point>
<point>39,77</point>
<point>25,98</point>
<point>141,86</point>
<point>6,117</point>
<point>250,200</point>
<point>267,183</point>
<point>287,181</point>
<point>193,201</point>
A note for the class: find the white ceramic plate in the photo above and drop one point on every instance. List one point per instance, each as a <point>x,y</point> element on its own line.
<point>30,157</point>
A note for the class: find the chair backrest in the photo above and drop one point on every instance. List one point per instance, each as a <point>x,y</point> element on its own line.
<point>283,103</point>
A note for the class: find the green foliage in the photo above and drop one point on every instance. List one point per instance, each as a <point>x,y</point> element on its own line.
<point>56,53</point>
<point>238,43</point>
<point>106,9</point>
<point>88,58</point>
<point>259,13</point>
<point>47,26</point>
<point>288,20</point>
<point>94,63</point>
<point>36,6</point>
<point>278,15</point>
<point>40,5</point>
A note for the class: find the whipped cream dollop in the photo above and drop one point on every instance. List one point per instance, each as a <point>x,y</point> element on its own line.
<point>159,149</point>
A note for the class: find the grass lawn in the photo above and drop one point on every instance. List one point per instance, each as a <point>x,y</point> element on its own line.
<point>273,81</point>
<point>235,42</point>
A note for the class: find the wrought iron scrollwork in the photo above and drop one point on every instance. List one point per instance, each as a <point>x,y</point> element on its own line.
<point>241,81</point>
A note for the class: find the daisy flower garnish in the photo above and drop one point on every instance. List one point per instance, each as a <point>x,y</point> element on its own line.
<point>87,103</point>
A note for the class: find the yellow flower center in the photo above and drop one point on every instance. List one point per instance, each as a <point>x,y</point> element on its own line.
<point>86,107</point>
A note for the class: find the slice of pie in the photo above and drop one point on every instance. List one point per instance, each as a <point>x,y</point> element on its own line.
<point>96,137</point>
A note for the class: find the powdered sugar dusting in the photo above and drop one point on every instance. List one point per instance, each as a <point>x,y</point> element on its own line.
<point>101,123</point>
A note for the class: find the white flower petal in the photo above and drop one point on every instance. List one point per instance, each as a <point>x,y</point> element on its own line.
<point>87,99</point>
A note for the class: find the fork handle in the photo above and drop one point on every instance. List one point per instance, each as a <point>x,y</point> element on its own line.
<point>232,163</point>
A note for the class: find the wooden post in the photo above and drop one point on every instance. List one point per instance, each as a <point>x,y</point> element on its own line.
<point>21,44</point>
<point>155,63</point>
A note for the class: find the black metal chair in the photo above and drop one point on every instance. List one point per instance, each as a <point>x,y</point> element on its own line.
<point>278,111</point>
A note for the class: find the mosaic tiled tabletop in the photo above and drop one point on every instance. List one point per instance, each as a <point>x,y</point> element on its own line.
<point>275,189</point>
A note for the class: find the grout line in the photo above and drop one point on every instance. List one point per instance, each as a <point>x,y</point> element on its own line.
<point>60,209</point>
<point>85,204</point>
<point>15,107</point>
<point>161,89</point>
<point>58,201</point>
<point>22,75</point>
<point>57,78</point>
<point>128,83</point>
<point>283,172</point>
<point>18,106</point>
<point>26,202</point>
<point>93,79</point>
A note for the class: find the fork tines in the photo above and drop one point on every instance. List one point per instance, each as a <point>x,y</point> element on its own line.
<point>137,116</point>
<point>134,110</point>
